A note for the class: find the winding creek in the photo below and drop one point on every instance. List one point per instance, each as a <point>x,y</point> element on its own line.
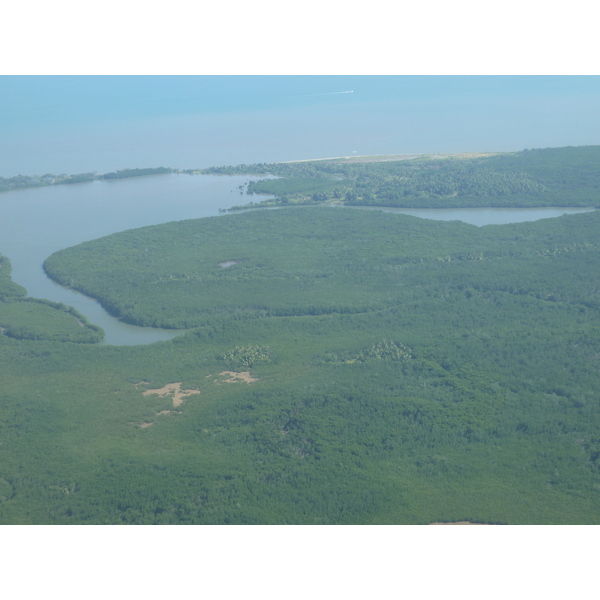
<point>34,223</point>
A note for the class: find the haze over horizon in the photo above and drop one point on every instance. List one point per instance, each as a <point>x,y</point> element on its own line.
<point>73,124</point>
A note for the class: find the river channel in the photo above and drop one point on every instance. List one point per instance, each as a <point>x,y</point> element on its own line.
<point>34,223</point>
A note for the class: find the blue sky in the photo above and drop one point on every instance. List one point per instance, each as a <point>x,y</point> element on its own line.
<point>46,99</point>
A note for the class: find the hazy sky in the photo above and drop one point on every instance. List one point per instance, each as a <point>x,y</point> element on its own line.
<point>95,123</point>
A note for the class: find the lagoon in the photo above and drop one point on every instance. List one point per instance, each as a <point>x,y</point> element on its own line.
<point>34,223</point>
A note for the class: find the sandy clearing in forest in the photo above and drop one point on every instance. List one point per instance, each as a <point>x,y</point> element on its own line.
<point>237,377</point>
<point>179,395</point>
<point>144,425</point>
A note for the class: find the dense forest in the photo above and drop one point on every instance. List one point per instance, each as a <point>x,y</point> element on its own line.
<point>352,367</point>
<point>339,366</point>
<point>541,177</point>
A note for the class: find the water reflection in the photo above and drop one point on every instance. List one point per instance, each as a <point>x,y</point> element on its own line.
<point>34,223</point>
<point>482,216</point>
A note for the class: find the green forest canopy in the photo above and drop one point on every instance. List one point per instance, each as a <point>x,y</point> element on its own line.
<point>400,371</point>
<point>542,177</point>
<point>299,261</point>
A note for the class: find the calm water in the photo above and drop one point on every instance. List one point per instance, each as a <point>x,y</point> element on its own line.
<point>35,223</point>
<point>483,216</point>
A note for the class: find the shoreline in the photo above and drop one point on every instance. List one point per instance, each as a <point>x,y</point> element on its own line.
<point>394,157</point>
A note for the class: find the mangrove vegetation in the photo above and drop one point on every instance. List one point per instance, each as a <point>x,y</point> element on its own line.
<point>540,177</point>
<point>352,367</point>
<point>339,366</point>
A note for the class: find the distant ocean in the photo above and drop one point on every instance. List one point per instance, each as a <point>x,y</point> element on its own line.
<point>59,124</point>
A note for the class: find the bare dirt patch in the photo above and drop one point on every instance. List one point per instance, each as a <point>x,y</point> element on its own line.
<point>174,389</point>
<point>235,377</point>
<point>145,425</point>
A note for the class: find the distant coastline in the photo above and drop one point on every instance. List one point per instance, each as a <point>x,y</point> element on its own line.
<point>368,158</point>
<point>29,181</point>
<point>528,178</point>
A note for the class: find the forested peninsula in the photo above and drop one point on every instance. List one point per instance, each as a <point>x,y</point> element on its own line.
<point>530,178</point>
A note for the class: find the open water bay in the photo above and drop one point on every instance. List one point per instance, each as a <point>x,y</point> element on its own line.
<point>34,223</point>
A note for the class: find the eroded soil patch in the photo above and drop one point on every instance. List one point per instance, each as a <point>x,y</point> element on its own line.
<point>235,377</point>
<point>174,389</point>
